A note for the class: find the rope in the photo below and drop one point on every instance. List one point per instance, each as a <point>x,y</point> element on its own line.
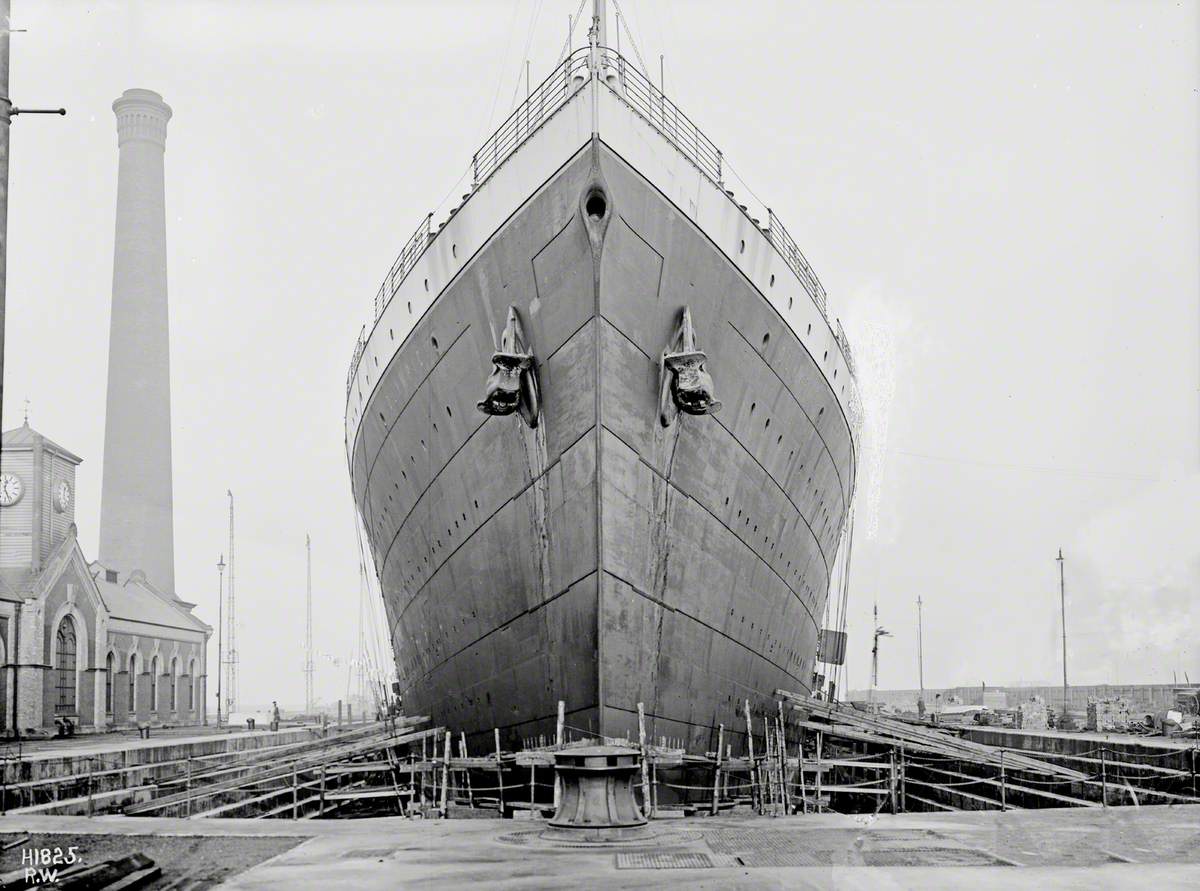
<point>537,11</point>
<point>707,788</point>
<point>1023,781</point>
<point>574,22</point>
<point>487,122</point>
<point>624,24</point>
<point>863,785</point>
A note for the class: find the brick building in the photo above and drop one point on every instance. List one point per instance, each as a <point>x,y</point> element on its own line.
<point>80,641</point>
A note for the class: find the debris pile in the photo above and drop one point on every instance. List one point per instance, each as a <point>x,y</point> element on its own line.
<point>1105,715</point>
<point>1032,715</point>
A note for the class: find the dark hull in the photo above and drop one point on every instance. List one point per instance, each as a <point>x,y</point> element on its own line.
<point>602,559</point>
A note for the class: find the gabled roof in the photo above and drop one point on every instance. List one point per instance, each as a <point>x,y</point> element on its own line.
<point>24,438</point>
<point>23,583</point>
<point>135,600</point>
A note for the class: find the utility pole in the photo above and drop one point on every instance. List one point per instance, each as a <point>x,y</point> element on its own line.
<point>231,654</point>
<point>220,629</point>
<point>879,632</point>
<point>1062,593</point>
<point>7,112</point>
<point>920,659</point>
<point>308,646</point>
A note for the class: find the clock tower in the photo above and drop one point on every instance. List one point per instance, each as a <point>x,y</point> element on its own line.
<point>37,498</point>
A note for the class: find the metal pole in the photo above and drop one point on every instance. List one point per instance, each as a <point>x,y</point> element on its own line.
<point>5,123</point>
<point>1062,592</point>
<point>220,629</point>
<point>720,745</point>
<point>1003,784</point>
<point>499,771</point>
<point>920,655</point>
<point>1103,779</point>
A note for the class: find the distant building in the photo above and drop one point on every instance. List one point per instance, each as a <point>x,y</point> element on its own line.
<point>80,641</point>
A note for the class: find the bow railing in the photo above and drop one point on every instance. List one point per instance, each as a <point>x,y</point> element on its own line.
<point>360,344</point>
<point>650,103</point>
<point>543,101</point>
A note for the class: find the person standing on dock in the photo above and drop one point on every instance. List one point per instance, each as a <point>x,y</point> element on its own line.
<point>274,715</point>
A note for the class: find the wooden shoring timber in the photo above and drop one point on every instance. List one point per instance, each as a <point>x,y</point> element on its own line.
<point>942,806</point>
<point>252,757</point>
<point>995,782</point>
<point>961,793</point>
<point>1165,772</point>
<point>888,732</point>
<point>311,762</point>
<point>238,759</point>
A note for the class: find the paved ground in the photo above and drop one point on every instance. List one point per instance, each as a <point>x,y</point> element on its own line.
<point>194,862</point>
<point>1150,847</point>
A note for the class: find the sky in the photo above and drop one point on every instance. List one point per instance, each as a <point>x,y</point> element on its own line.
<point>1000,198</point>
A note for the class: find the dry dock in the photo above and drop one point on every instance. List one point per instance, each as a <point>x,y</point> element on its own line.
<point>1152,847</point>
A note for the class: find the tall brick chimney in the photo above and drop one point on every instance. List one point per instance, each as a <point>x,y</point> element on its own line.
<point>136,530</point>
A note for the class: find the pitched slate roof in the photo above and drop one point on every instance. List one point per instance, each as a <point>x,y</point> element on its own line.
<point>135,601</point>
<point>25,437</point>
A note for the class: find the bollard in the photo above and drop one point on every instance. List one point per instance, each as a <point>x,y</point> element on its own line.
<point>597,801</point>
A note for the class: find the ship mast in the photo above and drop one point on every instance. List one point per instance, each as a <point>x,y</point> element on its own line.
<point>599,19</point>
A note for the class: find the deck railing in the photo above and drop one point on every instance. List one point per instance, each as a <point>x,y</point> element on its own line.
<point>409,254</point>
<point>786,246</point>
<point>548,97</point>
<point>652,105</point>
<point>663,115</point>
<point>359,345</point>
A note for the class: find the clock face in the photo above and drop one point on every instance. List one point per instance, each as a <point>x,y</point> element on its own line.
<point>62,497</point>
<point>11,489</point>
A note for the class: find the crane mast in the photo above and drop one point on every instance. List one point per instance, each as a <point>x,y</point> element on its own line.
<point>308,640</point>
<point>231,654</point>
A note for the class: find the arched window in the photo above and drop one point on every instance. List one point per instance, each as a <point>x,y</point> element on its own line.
<point>132,683</point>
<point>174,681</point>
<point>192,685</point>
<point>154,684</point>
<point>110,666</point>
<point>64,666</point>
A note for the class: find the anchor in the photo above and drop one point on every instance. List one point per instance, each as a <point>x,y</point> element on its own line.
<point>512,385</point>
<point>684,383</point>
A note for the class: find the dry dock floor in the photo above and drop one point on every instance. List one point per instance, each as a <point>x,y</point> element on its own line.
<point>1149,847</point>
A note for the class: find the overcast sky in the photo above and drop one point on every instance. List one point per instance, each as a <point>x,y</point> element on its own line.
<point>1001,199</point>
